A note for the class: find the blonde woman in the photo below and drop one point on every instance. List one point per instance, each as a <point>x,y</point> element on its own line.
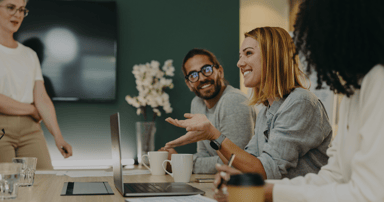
<point>24,102</point>
<point>292,131</point>
<point>349,46</point>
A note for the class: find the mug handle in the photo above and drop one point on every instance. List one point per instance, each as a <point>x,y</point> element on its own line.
<point>142,157</point>
<point>165,161</point>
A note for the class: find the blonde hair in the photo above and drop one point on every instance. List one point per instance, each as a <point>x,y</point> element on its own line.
<point>280,73</point>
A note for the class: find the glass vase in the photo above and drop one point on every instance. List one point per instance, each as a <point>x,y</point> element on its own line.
<point>145,136</point>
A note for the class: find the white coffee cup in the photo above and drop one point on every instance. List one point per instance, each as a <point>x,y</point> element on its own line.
<point>156,159</point>
<point>182,165</point>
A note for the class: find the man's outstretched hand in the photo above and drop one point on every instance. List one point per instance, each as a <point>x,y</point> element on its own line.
<point>198,127</point>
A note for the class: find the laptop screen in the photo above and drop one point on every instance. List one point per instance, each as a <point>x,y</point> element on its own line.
<point>168,189</point>
<point>116,152</point>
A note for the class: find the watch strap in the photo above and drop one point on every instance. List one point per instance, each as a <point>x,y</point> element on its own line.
<point>216,144</point>
<point>220,139</point>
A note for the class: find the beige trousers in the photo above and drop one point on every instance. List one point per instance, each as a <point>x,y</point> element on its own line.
<point>23,138</point>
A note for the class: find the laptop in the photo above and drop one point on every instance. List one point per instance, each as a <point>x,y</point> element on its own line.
<point>141,189</point>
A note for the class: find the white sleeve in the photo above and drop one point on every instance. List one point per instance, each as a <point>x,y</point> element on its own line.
<point>38,74</point>
<point>367,165</point>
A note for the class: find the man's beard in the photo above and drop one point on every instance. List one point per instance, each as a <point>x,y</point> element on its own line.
<point>208,96</point>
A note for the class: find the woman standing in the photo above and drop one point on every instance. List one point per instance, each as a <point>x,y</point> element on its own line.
<point>24,102</point>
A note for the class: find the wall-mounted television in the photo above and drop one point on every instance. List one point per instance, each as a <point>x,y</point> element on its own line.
<point>78,53</point>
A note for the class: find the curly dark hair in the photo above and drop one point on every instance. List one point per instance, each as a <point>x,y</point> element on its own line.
<point>340,38</point>
<point>198,51</point>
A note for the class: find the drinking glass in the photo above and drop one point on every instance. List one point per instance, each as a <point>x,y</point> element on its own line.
<point>9,178</point>
<point>27,174</point>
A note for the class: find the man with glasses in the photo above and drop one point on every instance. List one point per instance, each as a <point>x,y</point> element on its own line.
<point>225,106</point>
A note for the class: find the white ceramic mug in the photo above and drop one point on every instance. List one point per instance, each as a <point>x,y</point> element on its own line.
<point>182,165</point>
<point>155,159</point>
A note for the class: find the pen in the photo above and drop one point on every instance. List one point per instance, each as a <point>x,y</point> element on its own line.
<point>229,164</point>
<point>65,150</point>
<point>3,133</point>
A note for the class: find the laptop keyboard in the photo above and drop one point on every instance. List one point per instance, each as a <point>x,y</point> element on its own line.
<point>143,188</point>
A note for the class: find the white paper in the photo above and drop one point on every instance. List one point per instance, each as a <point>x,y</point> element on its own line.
<point>49,172</point>
<point>88,173</point>
<point>136,172</point>
<point>194,198</point>
<point>104,173</point>
<point>61,173</point>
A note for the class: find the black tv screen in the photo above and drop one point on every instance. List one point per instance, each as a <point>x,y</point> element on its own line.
<point>77,48</point>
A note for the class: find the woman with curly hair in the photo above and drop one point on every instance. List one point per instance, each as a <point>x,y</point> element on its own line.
<point>343,41</point>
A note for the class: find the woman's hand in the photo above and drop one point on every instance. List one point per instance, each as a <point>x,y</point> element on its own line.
<point>198,127</point>
<point>63,146</point>
<point>224,172</point>
<point>170,152</point>
<point>35,114</point>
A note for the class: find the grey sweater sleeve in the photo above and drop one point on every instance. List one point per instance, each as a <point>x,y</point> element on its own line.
<point>233,118</point>
<point>290,140</point>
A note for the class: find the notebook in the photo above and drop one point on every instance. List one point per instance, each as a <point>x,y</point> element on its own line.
<point>141,189</point>
<point>86,188</point>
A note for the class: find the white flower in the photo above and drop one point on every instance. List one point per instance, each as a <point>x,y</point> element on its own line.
<point>159,74</point>
<point>147,81</point>
<point>140,88</point>
<point>150,82</point>
<point>127,98</point>
<point>170,71</point>
<point>168,109</point>
<point>136,70</point>
<point>142,69</point>
<point>159,101</point>
<point>168,68</point>
<point>165,96</point>
<point>155,65</point>
<point>157,111</point>
<point>132,101</point>
<point>142,100</point>
<point>151,101</point>
<point>163,81</point>
<point>168,63</point>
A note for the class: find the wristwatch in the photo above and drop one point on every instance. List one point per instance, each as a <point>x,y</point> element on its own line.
<point>216,144</point>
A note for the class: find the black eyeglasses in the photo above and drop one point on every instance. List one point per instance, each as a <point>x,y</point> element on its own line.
<point>3,133</point>
<point>12,10</point>
<point>193,76</point>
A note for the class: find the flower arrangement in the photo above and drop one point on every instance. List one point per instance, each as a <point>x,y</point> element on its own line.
<point>151,83</point>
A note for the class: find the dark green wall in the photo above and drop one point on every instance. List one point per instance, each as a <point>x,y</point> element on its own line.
<point>152,30</point>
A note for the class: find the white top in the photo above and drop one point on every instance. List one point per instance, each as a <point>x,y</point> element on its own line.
<point>19,69</point>
<point>355,170</point>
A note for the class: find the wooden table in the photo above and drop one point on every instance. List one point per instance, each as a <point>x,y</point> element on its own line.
<point>47,188</point>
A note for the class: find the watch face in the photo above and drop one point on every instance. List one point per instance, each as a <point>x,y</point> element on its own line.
<point>214,145</point>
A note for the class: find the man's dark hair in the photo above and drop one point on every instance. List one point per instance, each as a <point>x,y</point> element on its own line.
<point>340,38</point>
<point>197,51</point>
